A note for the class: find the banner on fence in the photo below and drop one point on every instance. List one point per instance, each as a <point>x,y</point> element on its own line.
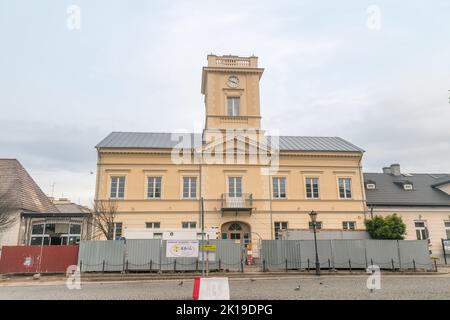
<point>182,249</point>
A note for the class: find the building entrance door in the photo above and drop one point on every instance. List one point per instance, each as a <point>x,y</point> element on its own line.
<point>236,231</point>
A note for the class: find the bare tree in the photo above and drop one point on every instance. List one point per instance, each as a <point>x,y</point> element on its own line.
<point>102,218</point>
<point>8,209</point>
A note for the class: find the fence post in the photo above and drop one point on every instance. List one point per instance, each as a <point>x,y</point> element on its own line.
<point>175,265</point>
<point>443,249</point>
<point>329,265</point>
<point>414,265</point>
<point>350,264</point>
<point>81,266</point>
<point>308,264</point>
<point>371,262</point>
<point>196,264</point>
<point>103,267</point>
<point>286,265</point>
<point>126,266</point>
<point>435,265</point>
<point>242,265</point>
<point>264,265</point>
<point>220,264</point>
<point>399,256</point>
<point>392,261</point>
<point>151,265</point>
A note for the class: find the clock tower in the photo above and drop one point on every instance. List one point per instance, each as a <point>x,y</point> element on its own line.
<point>230,85</point>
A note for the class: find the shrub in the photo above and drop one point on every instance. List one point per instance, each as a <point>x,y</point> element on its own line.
<point>389,227</point>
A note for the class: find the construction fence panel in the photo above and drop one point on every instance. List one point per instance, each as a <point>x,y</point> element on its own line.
<point>142,255</point>
<point>415,254</point>
<point>383,253</point>
<point>308,254</point>
<point>349,254</point>
<point>101,255</point>
<point>345,254</point>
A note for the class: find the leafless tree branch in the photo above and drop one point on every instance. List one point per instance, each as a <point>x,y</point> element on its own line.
<point>8,209</point>
<point>102,218</point>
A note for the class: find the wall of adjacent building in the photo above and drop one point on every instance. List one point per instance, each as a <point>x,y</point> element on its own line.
<point>433,217</point>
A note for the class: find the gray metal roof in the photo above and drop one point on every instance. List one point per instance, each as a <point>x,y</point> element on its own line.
<point>193,140</point>
<point>389,190</point>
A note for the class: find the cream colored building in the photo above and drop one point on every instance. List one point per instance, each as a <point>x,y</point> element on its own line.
<point>422,200</point>
<point>251,186</point>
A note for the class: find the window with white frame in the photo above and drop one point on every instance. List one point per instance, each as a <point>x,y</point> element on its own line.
<point>189,187</point>
<point>408,186</point>
<point>447,228</point>
<point>421,230</point>
<point>117,187</point>
<point>154,187</point>
<point>349,225</point>
<point>233,106</point>
<point>188,224</point>
<point>279,226</point>
<point>153,225</point>
<point>345,188</point>
<point>115,230</point>
<point>279,187</point>
<point>235,187</point>
<point>312,188</point>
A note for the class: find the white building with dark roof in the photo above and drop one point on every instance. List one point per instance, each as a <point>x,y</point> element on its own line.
<point>422,200</point>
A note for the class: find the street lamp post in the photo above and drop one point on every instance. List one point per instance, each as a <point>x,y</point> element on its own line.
<point>313,216</point>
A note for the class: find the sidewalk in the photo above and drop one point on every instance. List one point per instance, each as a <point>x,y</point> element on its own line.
<point>58,279</point>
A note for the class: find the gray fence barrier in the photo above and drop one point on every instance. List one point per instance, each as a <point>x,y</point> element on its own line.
<point>150,255</point>
<point>101,255</point>
<point>345,254</point>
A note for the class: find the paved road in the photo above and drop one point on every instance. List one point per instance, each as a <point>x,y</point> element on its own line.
<point>327,287</point>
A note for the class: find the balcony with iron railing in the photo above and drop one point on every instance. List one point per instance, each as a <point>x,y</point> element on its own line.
<point>236,204</point>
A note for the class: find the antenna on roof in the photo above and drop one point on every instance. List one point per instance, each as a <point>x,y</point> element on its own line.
<point>53,188</point>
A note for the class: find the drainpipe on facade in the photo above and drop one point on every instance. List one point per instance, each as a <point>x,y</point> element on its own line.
<point>270,206</point>
<point>363,190</point>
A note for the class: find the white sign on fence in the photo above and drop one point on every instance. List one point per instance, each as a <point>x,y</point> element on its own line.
<point>446,245</point>
<point>182,248</point>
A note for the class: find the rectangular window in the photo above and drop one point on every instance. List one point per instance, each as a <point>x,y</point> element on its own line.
<point>116,230</point>
<point>421,230</point>
<point>157,235</point>
<point>189,224</point>
<point>235,187</point>
<point>233,106</point>
<point>117,187</point>
<point>279,188</point>
<point>153,225</point>
<point>279,226</point>
<point>349,225</point>
<point>345,189</point>
<point>189,187</point>
<point>154,187</point>
<point>312,188</point>
<point>318,225</point>
<point>447,229</point>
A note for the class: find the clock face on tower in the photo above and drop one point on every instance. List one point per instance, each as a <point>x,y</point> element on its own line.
<point>233,81</point>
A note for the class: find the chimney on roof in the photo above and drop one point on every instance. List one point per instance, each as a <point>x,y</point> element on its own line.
<point>395,169</point>
<point>387,170</point>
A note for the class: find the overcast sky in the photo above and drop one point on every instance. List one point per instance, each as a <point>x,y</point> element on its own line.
<point>377,76</point>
